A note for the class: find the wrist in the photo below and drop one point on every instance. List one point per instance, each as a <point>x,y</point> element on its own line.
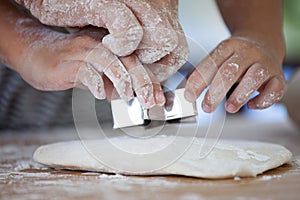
<point>274,43</point>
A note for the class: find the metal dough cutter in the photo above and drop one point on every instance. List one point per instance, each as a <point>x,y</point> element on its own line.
<point>132,114</point>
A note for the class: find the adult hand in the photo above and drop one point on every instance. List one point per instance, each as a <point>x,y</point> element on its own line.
<point>133,25</point>
<point>58,61</point>
<point>254,66</point>
<point>168,65</point>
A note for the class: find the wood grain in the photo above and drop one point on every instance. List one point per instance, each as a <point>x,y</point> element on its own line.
<point>22,178</point>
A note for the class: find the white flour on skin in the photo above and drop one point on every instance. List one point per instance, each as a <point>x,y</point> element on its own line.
<point>169,65</point>
<point>113,68</point>
<point>56,13</point>
<point>39,37</point>
<point>230,72</point>
<point>256,81</point>
<point>141,80</point>
<point>91,79</point>
<point>143,86</point>
<point>234,65</point>
<point>93,57</point>
<point>161,71</point>
<point>213,96</point>
<point>120,78</point>
<point>270,99</point>
<point>107,14</point>
<point>159,36</point>
<point>251,82</point>
<point>248,89</point>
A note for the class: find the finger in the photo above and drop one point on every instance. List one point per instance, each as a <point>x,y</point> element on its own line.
<point>125,30</point>
<point>272,93</point>
<point>205,71</point>
<point>141,82</point>
<point>159,37</point>
<point>252,81</point>
<point>71,74</point>
<point>159,93</point>
<point>104,61</point>
<point>228,74</point>
<point>143,85</point>
<point>170,96</point>
<point>110,91</point>
<point>89,77</point>
<point>94,32</point>
<point>169,65</point>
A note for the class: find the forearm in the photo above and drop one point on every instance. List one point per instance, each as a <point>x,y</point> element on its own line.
<point>13,40</point>
<point>257,20</point>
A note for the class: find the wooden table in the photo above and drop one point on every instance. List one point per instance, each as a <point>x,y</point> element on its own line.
<point>22,178</point>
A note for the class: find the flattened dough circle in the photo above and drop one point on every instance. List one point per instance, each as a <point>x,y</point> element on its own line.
<point>228,158</point>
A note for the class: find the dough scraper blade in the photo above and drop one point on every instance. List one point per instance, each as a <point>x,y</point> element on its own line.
<point>129,114</point>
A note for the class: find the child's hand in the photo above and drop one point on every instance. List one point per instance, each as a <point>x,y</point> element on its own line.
<point>239,60</point>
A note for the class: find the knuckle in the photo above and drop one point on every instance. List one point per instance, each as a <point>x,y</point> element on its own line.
<point>229,71</point>
<point>258,72</point>
<point>239,99</point>
<point>195,82</point>
<point>281,84</point>
<point>225,43</point>
<point>83,40</point>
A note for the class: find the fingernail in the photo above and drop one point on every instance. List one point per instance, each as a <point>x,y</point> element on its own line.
<point>230,108</point>
<point>160,98</point>
<point>206,108</point>
<point>168,108</point>
<point>190,96</point>
<point>251,105</point>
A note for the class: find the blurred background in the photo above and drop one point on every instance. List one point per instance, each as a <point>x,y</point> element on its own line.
<point>203,23</point>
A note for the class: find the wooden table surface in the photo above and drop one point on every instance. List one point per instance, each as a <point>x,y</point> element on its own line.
<point>22,178</point>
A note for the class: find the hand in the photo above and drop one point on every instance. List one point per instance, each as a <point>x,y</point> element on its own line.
<point>168,65</point>
<point>241,60</point>
<point>150,28</point>
<point>132,24</point>
<point>57,61</point>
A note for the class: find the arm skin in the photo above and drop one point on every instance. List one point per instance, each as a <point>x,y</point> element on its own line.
<point>256,19</point>
<point>251,58</point>
<point>11,45</point>
<point>53,61</point>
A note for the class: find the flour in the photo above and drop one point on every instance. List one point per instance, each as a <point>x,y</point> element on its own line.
<point>270,99</point>
<point>112,15</point>
<point>159,36</point>
<point>234,65</point>
<point>269,177</point>
<point>90,78</point>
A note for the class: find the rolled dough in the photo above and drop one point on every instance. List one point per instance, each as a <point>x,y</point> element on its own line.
<point>131,156</point>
